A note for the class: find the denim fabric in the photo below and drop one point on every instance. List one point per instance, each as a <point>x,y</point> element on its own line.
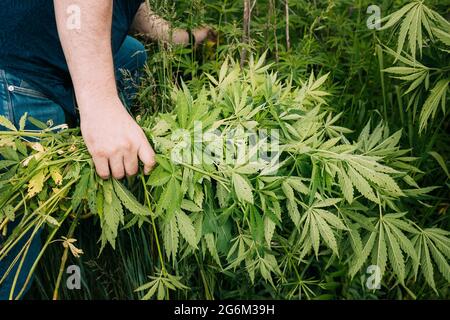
<point>18,97</point>
<point>128,62</point>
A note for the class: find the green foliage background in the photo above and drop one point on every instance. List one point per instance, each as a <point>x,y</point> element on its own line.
<point>373,84</point>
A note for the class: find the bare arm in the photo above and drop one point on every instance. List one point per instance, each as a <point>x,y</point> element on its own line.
<point>88,48</point>
<point>152,26</point>
<point>113,138</point>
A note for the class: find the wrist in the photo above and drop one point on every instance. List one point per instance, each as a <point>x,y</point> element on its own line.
<point>89,97</point>
<point>100,87</point>
<point>96,105</point>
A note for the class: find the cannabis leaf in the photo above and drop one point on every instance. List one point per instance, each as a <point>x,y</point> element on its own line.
<point>160,285</point>
<point>129,201</point>
<point>170,233</point>
<point>437,96</point>
<point>186,228</point>
<point>415,17</point>
<point>319,224</point>
<point>242,188</point>
<point>112,215</point>
<point>388,243</point>
<point>4,122</point>
<point>432,244</point>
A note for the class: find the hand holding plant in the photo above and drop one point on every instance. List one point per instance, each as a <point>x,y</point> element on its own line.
<point>114,140</point>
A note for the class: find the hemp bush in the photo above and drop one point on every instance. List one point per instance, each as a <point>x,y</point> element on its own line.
<point>316,194</point>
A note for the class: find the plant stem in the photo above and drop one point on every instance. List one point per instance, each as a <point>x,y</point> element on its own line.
<point>147,200</point>
<point>64,259</point>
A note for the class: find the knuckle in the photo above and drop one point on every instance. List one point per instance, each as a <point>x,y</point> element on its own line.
<point>100,153</point>
<point>115,149</point>
<point>124,146</point>
<point>129,147</point>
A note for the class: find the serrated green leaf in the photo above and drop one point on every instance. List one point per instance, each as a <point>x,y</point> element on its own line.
<point>186,228</point>
<point>361,259</point>
<point>170,237</point>
<point>112,215</point>
<point>327,234</point>
<point>294,214</point>
<point>395,256</point>
<point>441,161</point>
<point>331,219</point>
<point>81,189</point>
<point>22,121</point>
<point>346,186</point>
<point>242,188</point>
<point>362,185</point>
<point>427,265</point>
<point>211,245</point>
<point>441,261</point>
<point>129,201</point>
<point>4,122</point>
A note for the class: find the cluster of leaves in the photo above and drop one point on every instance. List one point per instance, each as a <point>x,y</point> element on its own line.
<point>320,197</point>
<point>326,192</point>
<point>423,31</point>
<point>46,178</point>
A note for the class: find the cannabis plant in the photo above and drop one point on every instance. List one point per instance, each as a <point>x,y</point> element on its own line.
<point>255,179</point>
<point>423,35</point>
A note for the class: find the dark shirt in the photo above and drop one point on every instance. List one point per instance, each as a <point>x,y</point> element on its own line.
<point>30,47</point>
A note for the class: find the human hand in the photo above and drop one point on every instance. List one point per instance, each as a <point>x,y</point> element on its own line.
<point>203,34</point>
<point>114,140</point>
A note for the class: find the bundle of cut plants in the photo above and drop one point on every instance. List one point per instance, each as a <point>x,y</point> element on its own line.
<point>253,175</point>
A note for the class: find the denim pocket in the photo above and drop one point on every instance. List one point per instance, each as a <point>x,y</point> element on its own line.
<point>39,108</point>
<point>23,98</point>
<point>26,91</point>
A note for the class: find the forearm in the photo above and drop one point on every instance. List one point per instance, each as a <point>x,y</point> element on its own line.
<point>112,137</point>
<point>88,50</point>
<point>152,26</point>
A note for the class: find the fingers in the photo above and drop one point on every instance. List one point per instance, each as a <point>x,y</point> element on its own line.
<point>147,156</point>
<point>122,158</point>
<point>101,166</point>
<point>131,164</point>
<point>117,166</point>
<point>212,35</point>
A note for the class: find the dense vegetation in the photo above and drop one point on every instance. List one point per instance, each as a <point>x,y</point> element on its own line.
<point>360,177</point>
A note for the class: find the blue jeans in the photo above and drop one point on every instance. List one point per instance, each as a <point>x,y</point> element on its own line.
<point>18,97</point>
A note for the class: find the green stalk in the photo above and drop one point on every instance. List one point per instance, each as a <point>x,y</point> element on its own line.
<point>64,259</point>
<point>379,51</point>
<point>41,253</point>
<point>208,294</point>
<point>23,252</point>
<point>52,201</point>
<point>163,267</point>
